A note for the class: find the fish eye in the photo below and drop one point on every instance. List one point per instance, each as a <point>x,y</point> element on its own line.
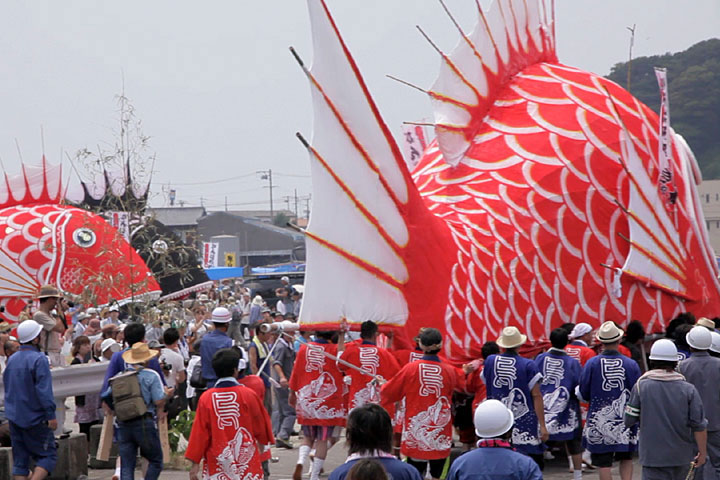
<point>84,237</point>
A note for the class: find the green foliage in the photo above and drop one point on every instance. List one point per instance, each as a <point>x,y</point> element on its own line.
<point>180,426</point>
<point>281,219</point>
<point>694,90</point>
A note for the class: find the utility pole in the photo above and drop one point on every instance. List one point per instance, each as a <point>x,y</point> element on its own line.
<point>296,205</point>
<point>632,42</point>
<point>226,203</point>
<point>307,205</point>
<point>267,175</point>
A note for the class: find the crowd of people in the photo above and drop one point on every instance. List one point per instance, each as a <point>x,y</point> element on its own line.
<point>596,396</point>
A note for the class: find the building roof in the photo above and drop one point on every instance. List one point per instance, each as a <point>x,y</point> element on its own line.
<point>177,216</point>
<point>259,213</point>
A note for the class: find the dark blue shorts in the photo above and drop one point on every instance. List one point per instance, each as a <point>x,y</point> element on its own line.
<point>36,443</point>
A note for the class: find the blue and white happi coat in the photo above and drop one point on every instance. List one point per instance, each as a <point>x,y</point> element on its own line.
<point>560,377</point>
<point>606,383</point>
<point>510,378</point>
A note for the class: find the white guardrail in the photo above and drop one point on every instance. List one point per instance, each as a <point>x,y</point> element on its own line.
<point>71,381</point>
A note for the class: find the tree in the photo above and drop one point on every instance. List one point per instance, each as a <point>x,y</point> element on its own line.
<point>694,91</point>
<point>173,263</point>
<point>281,219</point>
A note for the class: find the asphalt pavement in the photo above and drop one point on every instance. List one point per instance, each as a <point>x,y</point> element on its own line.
<point>282,470</point>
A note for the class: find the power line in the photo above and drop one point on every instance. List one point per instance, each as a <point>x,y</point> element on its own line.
<point>210,182</point>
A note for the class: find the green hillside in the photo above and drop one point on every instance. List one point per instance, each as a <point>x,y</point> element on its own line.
<point>694,90</point>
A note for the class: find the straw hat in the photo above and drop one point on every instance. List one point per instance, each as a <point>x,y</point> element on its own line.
<point>706,322</point>
<point>48,291</point>
<point>139,353</point>
<point>511,338</point>
<point>609,333</point>
<point>5,327</point>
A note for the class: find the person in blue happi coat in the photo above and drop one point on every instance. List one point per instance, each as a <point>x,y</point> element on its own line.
<point>30,406</point>
<point>606,383</point>
<point>514,380</point>
<point>495,457</point>
<point>561,375</point>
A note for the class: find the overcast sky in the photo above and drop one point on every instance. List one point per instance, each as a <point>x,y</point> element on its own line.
<point>220,95</point>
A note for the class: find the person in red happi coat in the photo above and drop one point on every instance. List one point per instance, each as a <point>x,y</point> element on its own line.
<point>372,359</point>
<point>316,388</point>
<point>231,426</point>
<point>427,386</point>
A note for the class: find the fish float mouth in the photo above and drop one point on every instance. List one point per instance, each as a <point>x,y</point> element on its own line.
<point>188,290</point>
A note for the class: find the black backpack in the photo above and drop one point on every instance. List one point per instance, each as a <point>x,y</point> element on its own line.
<point>196,378</point>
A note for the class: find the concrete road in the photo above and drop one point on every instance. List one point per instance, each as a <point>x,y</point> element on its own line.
<point>282,470</point>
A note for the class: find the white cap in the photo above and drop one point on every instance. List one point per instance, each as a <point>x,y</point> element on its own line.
<point>221,315</point>
<point>699,338</point>
<point>285,279</point>
<point>28,330</point>
<point>664,350</point>
<point>91,311</point>
<point>492,419</point>
<point>114,308</point>
<point>715,347</point>
<point>580,329</point>
<point>111,344</point>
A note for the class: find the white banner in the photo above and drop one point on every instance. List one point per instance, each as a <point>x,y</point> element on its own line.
<point>121,221</point>
<point>414,143</point>
<point>210,254</point>
<point>666,175</point>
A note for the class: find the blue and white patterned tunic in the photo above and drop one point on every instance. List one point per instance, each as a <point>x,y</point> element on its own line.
<point>606,383</point>
<point>561,375</point>
<point>510,378</point>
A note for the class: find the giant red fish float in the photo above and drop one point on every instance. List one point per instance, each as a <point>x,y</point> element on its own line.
<point>43,241</point>
<point>540,201</point>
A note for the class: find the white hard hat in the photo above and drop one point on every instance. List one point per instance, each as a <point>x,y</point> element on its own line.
<point>492,419</point>
<point>715,347</point>
<point>221,315</point>
<point>665,350</point>
<point>28,330</point>
<point>699,338</point>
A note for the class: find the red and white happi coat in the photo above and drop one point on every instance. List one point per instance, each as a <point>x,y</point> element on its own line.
<point>318,386</point>
<point>229,424</point>
<point>427,386</point>
<point>375,361</point>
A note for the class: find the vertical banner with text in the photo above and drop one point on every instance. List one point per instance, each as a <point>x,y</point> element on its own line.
<point>121,221</point>
<point>666,175</point>
<point>414,143</point>
<point>210,254</point>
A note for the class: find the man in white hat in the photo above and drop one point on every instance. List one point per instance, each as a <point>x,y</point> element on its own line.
<point>107,348</point>
<point>214,341</point>
<point>515,381</point>
<point>605,383</point>
<point>113,315</point>
<point>80,325</point>
<point>670,413</point>
<point>140,432</point>
<point>580,339</point>
<point>495,456</point>
<point>30,405</point>
<point>703,371</point>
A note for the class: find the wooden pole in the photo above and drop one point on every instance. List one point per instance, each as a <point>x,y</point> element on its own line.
<point>164,441</point>
<point>106,438</point>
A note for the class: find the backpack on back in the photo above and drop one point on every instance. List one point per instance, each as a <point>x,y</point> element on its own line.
<point>127,396</point>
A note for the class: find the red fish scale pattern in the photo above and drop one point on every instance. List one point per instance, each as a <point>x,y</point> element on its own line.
<point>532,209</point>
